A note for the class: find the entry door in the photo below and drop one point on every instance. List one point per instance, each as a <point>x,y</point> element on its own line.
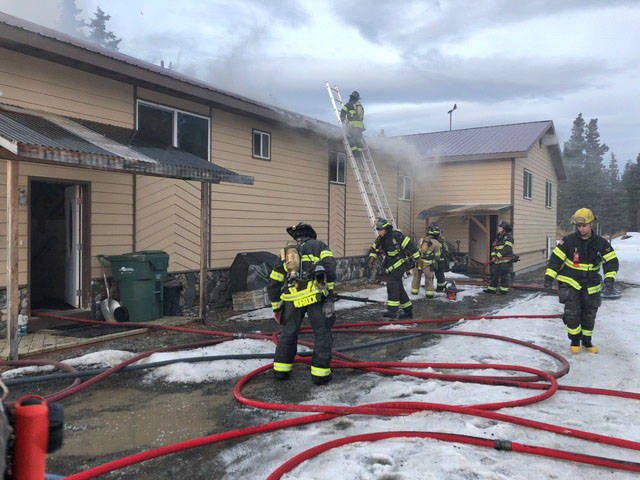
<point>73,245</point>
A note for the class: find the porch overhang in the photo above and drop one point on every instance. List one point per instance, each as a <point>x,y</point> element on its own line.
<point>27,135</point>
<point>466,209</point>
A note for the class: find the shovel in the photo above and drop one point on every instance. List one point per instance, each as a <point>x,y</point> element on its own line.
<point>111,309</point>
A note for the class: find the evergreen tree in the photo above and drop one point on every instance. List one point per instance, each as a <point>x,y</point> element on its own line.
<point>98,31</point>
<point>68,21</point>
<point>570,195</point>
<point>616,202</point>
<point>631,183</point>
<point>596,183</point>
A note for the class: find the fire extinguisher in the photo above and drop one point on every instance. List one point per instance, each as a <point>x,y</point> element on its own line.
<point>38,427</point>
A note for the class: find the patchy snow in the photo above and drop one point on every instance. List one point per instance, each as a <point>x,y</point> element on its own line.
<point>627,249</point>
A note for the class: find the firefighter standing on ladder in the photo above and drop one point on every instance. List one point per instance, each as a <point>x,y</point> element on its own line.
<point>352,115</point>
<point>400,254</point>
<point>575,264</point>
<point>303,284</point>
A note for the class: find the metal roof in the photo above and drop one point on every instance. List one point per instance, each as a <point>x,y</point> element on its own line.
<point>498,139</point>
<point>42,136</point>
<point>458,210</point>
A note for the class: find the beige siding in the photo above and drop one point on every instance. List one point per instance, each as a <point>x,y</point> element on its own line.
<point>337,218</point>
<point>169,101</point>
<point>403,216</point>
<point>456,229</point>
<point>533,222</point>
<point>111,212</point>
<point>168,218</point>
<point>42,85</point>
<point>290,188</point>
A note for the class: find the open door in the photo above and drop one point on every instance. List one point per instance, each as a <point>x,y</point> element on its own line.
<point>73,244</point>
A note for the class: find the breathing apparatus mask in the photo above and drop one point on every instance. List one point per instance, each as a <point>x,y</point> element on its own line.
<point>291,259</point>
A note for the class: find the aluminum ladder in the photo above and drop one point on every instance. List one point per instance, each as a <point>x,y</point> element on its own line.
<point>364,168</point>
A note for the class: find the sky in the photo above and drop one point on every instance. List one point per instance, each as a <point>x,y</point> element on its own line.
<point>499,61</point>
<point>615,332</point>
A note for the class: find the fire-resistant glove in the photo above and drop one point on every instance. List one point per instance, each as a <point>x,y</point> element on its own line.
<point>277,316</point>
<point>548,282</point>
<point>608,285</point>
<point>320,275</point>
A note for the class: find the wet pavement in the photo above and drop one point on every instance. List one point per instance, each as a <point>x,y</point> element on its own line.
<point>122,415</point>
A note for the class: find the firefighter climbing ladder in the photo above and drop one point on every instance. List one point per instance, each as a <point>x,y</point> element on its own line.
<point>364,169</point>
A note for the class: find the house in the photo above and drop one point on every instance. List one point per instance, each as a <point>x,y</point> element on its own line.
<point>469,180</point>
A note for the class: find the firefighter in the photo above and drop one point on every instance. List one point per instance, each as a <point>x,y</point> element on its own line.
<point>302,284</point>
<point>442,265</point>
<point>427,263</point>
<point>400,254</point>
<point>500,264</point>
<point>353,113</point>
<point>575,263</point>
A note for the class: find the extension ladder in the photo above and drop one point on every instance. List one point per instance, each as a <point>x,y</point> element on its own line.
<point>365,171</point>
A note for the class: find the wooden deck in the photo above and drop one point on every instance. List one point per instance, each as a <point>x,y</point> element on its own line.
<point>44,341</point>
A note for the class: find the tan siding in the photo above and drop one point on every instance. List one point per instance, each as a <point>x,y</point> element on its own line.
<point>337,219</point>
<point>290,188</point>
<point>532,221</point>
<point>111,223</point>
<point>169,101</point>
<point>41,85</point>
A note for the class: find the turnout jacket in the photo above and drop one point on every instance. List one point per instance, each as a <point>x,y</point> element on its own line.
<point>576,262</point>
<point>353,112</point>
<point>396,247</point>
<point>430,250</point>
<point>502,250</point>
<point>282,288</point>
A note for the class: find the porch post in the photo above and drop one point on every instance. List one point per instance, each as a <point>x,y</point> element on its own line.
<point>13,299</point>
<point>205,214</point>
<point>487,222</point>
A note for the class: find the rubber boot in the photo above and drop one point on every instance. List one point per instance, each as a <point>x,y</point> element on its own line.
<point>281,375</point>
<point>575,346</point>
<point>588,346</point>
<point>407,313</point>
<point>390,314</point>
<point>492,292</point>
<point>318,380</point>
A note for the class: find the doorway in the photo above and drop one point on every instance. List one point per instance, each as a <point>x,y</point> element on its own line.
<point>57,244</point>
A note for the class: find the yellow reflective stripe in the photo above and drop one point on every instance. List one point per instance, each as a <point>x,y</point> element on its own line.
<point>574,331</point>
<point>373,255</point>
<point>330,285</point>
<point>393,303</point>
<point>356,123</point>
<point>498,247</point>
<point>282,367</point>
<point>393,253</point>
<point>502,261</point>
<point>405,242</point>
<point>277,276</point>
<point>310,258</point>
<point>493,289</point>
<point>276,305</point>
<point>613,275</point>
<point>550,272</point>
<point>320,372</point>
<point>325,254</point>
<point>414,291</point>
<point>595,268</point>
<point>416,255</point>
<point>395,265</point>
<point>594,289</point>
<point>587,333</point>
<point>498,254</point>
<point>509,243</point>
<point>570,281</point>
<point>406,305</point>
<point>609,256</point>
<point>581,266</point>
<point>559,253</point>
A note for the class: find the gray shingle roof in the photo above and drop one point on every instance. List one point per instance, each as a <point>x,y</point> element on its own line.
<point>507,139</point>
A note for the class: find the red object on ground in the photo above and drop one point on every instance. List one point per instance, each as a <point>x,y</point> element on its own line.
<point>31,427</point>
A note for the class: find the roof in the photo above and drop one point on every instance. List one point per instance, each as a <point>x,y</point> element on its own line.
<point>459,210</point>
<point>498,141</point>
<point>39,136</point>
<point>33,39</point>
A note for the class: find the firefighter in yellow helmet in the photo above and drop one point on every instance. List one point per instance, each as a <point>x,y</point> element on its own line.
<point>575,263</point>
<point>303,284</point>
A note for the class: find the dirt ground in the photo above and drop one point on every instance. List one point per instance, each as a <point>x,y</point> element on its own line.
<point>121,415</point>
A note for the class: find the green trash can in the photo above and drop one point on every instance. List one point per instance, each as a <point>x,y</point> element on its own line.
<point>140,277</point>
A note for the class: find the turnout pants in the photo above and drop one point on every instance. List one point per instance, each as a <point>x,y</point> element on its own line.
<point>288,340</point>
<point>354,135</point>
<point>396,294</point>
<point>440,279</point>
<point>580,310</point>
<point>428,281</point>
<point>500,275</point>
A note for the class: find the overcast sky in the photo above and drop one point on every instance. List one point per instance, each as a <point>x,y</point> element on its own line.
<point>500,61</point>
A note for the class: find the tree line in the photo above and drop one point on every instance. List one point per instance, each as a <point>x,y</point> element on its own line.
<point>94,30</point>
<point>612,195</point>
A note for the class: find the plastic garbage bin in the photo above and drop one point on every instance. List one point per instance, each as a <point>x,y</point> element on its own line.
<point>140,277</point>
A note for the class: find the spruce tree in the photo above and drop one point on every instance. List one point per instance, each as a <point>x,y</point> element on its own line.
<point>98,31</point>
<point>570,195</point>
<point>631,183</point>
<point>595,180</point>
<point>68,21</point>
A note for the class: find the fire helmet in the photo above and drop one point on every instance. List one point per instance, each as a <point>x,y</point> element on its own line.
<point>583,215</point>
<point>302,230</point>
<point>433,229</point>
<point>355,95</point>
<point>383,224</point>
<point>505,225</point>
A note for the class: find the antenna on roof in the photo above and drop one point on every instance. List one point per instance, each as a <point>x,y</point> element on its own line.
<point>450,112</point>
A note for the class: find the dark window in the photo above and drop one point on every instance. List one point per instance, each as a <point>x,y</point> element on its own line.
<point>336,167</point>
<point>404,188</point>
<point>261,144</point>
<point>155,125</point>
<point>548,195</point>
<point>193,135</point>
<point>527,190</point>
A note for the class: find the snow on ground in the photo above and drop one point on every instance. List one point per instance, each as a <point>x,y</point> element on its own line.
<point>627,247</point>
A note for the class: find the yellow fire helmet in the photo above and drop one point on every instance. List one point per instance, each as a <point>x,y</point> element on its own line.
<point>583,215</point>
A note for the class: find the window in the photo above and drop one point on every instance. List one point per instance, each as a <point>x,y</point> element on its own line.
<point>404,188</point>
<point>170,127</point>
<point>261,145</point>
<point>548,191</point>
<point>527,184</point>
<point>337,161</point>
